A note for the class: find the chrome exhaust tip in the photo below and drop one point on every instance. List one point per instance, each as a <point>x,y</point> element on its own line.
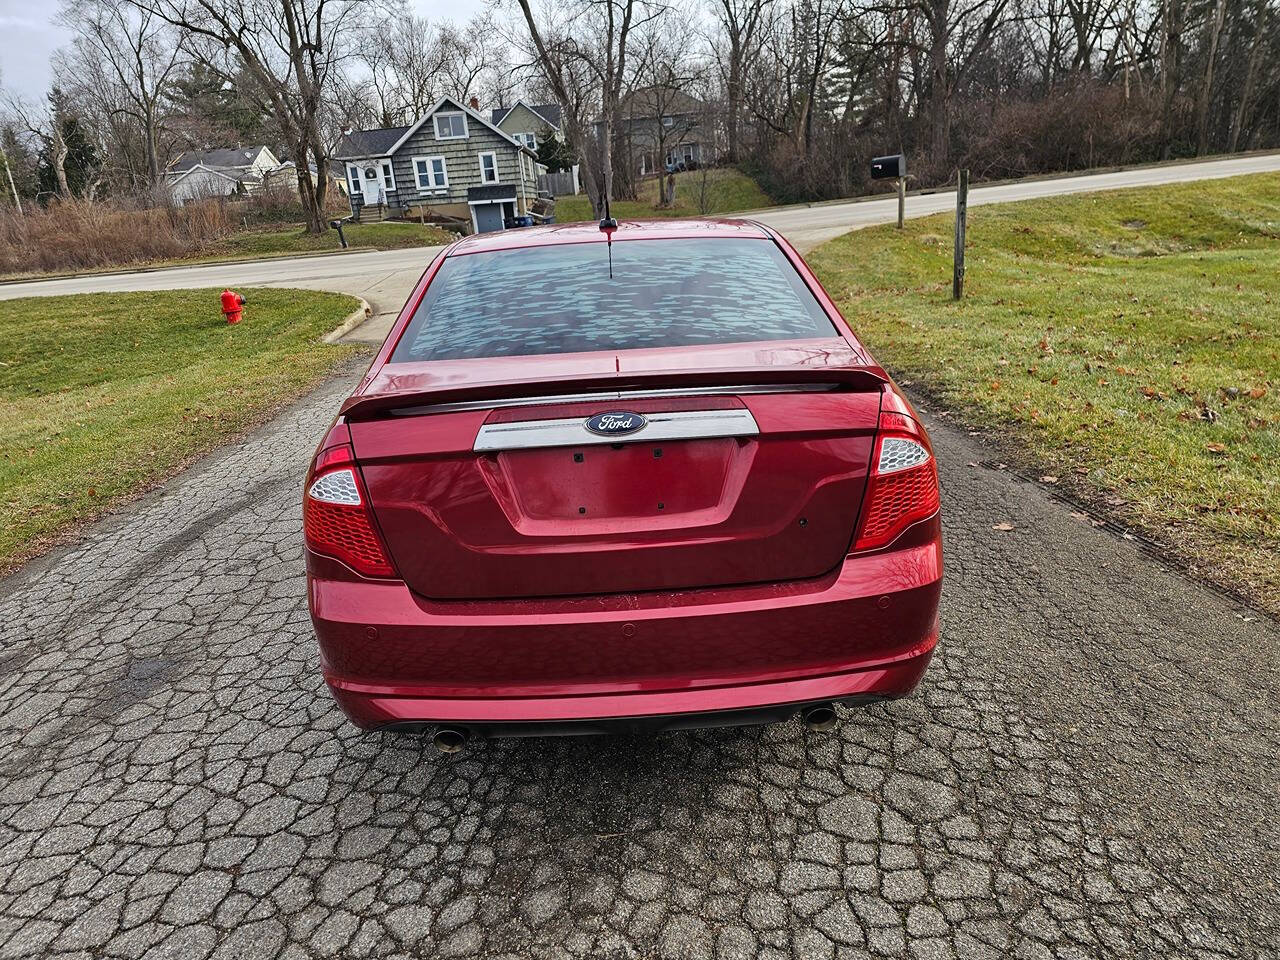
<point>820,716</point>
<point>449,739</point>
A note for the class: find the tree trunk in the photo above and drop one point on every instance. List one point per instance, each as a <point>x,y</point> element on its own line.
<point>1250,78</point>
<point>149,145</point>
<point>1206,90</point>
<point>940,96</point>
<point>1170,58</point>
<point>60,153</point>
<point>734,93</point>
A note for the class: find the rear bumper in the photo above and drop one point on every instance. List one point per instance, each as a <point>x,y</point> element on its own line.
<point>865,632</point>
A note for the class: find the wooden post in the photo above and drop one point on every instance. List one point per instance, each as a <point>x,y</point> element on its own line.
<point>962,209</point>
<point>902,200</point>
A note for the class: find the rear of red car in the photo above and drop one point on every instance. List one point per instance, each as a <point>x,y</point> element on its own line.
<point>642,477</point>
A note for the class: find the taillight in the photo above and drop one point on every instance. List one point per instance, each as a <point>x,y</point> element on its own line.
<point>336,520</point>
<point>903,486</point>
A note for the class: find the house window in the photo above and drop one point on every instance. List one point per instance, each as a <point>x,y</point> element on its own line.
<point>668,121</point>
<point>530,140</point>
<point>488,168</point>
<point>354,174</point>
<point>388,178</point>
<point>451,126</point>
<point>430,173</point>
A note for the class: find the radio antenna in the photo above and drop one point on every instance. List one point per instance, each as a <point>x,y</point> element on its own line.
<point>608,225</point>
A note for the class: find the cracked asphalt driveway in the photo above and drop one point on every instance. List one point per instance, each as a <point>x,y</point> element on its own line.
<point>1089,769</point>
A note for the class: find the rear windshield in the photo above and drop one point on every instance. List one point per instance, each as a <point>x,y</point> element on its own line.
<point>563,299</point>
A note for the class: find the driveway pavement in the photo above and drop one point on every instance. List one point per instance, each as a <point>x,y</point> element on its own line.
<point>1089,769</point>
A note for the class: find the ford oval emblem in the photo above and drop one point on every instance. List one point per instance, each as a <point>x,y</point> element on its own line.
<point>615,424</point>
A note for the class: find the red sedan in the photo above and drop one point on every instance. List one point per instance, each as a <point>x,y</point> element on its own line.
<point>617,478</point>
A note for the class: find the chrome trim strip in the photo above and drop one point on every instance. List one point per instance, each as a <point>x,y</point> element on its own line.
<point>681,425</point>
<point>462,405</point>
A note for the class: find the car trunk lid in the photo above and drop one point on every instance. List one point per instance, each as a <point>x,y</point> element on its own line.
<point>744,471</point>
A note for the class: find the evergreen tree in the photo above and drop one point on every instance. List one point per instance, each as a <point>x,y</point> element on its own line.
<point>80,161</point>
<point>556,155</point>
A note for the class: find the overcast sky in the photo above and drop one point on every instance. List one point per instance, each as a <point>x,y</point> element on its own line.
<point>28,38</point>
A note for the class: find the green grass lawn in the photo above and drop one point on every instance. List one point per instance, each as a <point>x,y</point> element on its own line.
<point>104,394</point>
<point>698,193</point>
<point>1127,343</point>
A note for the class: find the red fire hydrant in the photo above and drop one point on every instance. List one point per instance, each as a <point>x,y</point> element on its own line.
<point>232,306</point>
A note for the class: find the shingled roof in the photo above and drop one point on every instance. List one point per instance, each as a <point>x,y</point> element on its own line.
<point>228,157</point>
<point>368,143</point>
<point>550,112</point>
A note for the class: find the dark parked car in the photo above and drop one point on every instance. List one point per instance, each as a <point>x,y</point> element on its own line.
<point>642,477</point>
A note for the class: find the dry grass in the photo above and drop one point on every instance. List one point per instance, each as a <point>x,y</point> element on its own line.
<point>78,236</point>
<point>1125,343</point>
<point>84,235</point>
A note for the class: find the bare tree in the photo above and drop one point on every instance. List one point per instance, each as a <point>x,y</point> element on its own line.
<point>125,57</point>
<point>740,22</point>
<point>292,50</point>
<point>586,74</point>
<point>402,66</point>
<point>1261,32</point>
<point>1206,86</point>
<point>660,109</point>
<point>43,124</point>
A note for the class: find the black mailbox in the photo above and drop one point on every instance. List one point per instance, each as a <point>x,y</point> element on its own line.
<point>889,168</point>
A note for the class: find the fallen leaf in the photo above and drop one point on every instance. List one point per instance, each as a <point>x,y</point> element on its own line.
<point>1003,527</point>
<point>1257,393</point>
<point>1048,479</point>
<point>1216,447</point>
<point>1079,516</point>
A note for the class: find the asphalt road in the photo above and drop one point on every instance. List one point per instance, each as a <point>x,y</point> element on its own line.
<point>1091,767</point>
<point>385,278</point>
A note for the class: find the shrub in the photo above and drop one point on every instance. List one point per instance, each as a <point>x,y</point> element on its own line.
<point>86,235</point>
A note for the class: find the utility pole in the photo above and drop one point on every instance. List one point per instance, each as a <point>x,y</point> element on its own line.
<point>13,189</point>
<point>962,210</point>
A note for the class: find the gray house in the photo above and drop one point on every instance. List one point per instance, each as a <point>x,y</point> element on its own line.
<point>200,174</point>
<point>452,162</point>
<point>664,128</point>
<point>529,124</point>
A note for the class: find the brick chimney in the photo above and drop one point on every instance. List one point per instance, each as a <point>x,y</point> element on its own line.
<point>474,104</point>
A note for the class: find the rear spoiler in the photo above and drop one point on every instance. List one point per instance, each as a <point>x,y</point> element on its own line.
<point>423,398</point>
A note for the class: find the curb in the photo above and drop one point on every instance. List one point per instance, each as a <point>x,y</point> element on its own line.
<point>354,319</point>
